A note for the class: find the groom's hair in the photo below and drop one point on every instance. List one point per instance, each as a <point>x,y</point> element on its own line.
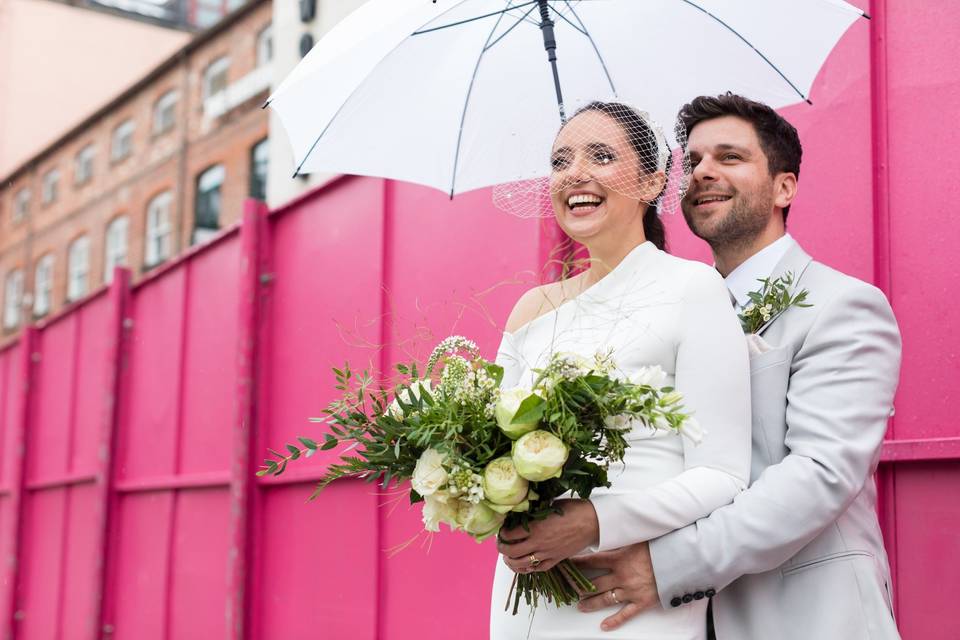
<point>778,138</point>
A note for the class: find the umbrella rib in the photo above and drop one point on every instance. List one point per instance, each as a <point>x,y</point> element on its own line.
<point>596,49</point>
<point>750,44</point>
<point>466,100</point>
<point>503,35</point>
<point>475,18</point>
<point>567,20</point>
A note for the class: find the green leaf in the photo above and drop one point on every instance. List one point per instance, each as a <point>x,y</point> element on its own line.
<point>307,442</point>
<point>329,444</point>
<point>530,410</point>
<point>294,451</point>
<point>415,497</point>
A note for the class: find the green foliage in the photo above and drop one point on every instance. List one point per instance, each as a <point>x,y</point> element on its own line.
<point>773,298</point>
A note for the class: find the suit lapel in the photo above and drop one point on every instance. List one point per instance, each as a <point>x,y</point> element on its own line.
<point>795,261</point>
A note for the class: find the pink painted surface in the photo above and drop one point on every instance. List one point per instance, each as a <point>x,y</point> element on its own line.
<point>221,359</point>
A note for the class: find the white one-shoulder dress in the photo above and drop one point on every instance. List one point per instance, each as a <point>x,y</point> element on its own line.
<point>652,309</point>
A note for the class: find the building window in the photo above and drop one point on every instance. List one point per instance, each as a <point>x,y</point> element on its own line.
<point>21,205</point>
<point>115,252</point>
<point>51,182</point>
<point>165,112</point>
<point>83,165</point>
<point>12,298</point>
<point>265,46</point>
<point>215,77</point>
<point>78,268</point>
<point>259,163</point>
<point>122,145</point>
<point>206,219</point>
<point>158,232</point>
<point>43,286</point>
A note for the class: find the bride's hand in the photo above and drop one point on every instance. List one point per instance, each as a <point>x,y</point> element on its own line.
<point>551,540</point>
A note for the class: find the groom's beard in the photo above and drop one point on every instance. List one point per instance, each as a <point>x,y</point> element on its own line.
<point>739,227</point>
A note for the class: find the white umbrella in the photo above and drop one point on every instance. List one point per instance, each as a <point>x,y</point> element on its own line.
<point>459,94</point>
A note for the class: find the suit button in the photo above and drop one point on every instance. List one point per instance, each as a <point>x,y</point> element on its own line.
<point>710,593</point>
<point>687,598</point>
<point>676,602</point>
<point>698,595</point>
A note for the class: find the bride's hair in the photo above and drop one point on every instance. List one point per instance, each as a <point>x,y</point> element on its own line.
<point>645,144</point>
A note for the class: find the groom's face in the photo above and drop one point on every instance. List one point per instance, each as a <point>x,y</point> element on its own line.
<point>730,198</point>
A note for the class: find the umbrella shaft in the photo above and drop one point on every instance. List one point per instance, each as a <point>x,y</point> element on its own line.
<point>550,44</point>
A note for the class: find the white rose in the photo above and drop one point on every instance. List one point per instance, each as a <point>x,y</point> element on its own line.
<point>408,395</point>
<point>539,456</point>
<point>502,485</point>
<point>620,422</point>
<point>479,520</point>
<point>692,431</point>
<point>506,409</point>
<point>653,376</point>
<point>429,474</point>
<point>437,508</point>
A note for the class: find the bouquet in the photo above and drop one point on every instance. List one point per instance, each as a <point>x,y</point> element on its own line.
<point>480,457</point>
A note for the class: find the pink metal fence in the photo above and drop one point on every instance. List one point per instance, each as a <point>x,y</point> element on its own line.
<point>131,424</point>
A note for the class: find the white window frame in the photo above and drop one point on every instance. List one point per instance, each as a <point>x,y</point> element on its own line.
<point>121,142</point>
<point>159,233</point>
<point>51,183</point>
<point>214,69</point>
<point>78,268</point>
<point>43,286</point>
<point>265,46</point>
<point>115,246</point>
<point>12,298</point>
<point>21,204</point>
<point>166,104</point>
<point>83,165</point>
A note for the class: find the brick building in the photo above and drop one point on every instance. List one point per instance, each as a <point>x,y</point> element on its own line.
<point>161,167</point>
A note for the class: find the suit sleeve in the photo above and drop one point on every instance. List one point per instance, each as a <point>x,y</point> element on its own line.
<point>841,388</point>
<point>712,372</point>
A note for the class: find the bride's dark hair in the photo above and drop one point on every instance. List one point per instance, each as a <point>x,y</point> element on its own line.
<point>645,144</point>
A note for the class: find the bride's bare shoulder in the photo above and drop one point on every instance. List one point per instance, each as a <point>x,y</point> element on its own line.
<point>541,300</point>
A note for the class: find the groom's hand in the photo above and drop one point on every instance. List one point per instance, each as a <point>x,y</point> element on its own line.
<point>631,575</point>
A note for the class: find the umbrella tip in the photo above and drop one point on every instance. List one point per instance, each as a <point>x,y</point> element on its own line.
<point>265,104</point>
<point>809,101</point>
<point>295,174</point>
<point>866,15</point>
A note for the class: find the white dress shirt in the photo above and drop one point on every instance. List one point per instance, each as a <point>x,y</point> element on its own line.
<point>744,278</point>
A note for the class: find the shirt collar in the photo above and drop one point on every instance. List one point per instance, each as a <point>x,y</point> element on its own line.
<point>744,278</point>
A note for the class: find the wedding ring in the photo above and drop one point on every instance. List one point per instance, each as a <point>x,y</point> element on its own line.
<point>613,596</point>
<point>533,561</point>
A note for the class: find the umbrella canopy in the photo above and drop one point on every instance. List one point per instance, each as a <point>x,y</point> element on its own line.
<point>458,94</point>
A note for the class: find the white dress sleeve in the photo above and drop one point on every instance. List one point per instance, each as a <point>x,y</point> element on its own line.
<point>713,373</point>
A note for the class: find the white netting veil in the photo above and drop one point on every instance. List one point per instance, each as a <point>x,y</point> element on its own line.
<point>614,148</point>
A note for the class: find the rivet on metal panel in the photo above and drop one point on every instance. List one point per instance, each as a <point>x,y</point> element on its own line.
<point>108,628</point>
<point>20,614</point>
<point>35,356</point>
<point>128,323</point>
<point>267,278</point>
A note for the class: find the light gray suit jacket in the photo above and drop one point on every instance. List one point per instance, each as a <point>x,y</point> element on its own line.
<point>799,554</point>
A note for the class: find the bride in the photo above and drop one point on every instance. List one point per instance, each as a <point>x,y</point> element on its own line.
<point>650,308</point>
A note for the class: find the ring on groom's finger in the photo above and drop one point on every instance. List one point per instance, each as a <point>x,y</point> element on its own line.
<point>534,562</point>
<point>613,596</point>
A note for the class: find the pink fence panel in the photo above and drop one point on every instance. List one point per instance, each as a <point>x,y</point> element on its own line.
<point>13,370</point>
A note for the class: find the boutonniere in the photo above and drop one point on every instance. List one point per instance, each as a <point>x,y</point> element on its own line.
<point>773,298</point>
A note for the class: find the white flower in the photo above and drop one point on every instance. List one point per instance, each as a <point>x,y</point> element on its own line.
<point>507,405</point>
<point>621,422</point>
<point>502,484</point>
<point>429,474</point>
<point>439,507</point>
<point>674,397</point>
<point>692,431</point>
<point>653,376</point>
<point>539,456</point>
<point>408,395</point>
<point>479,520</point>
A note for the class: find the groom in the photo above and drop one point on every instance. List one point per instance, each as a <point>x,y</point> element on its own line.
<point>798,554</point>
